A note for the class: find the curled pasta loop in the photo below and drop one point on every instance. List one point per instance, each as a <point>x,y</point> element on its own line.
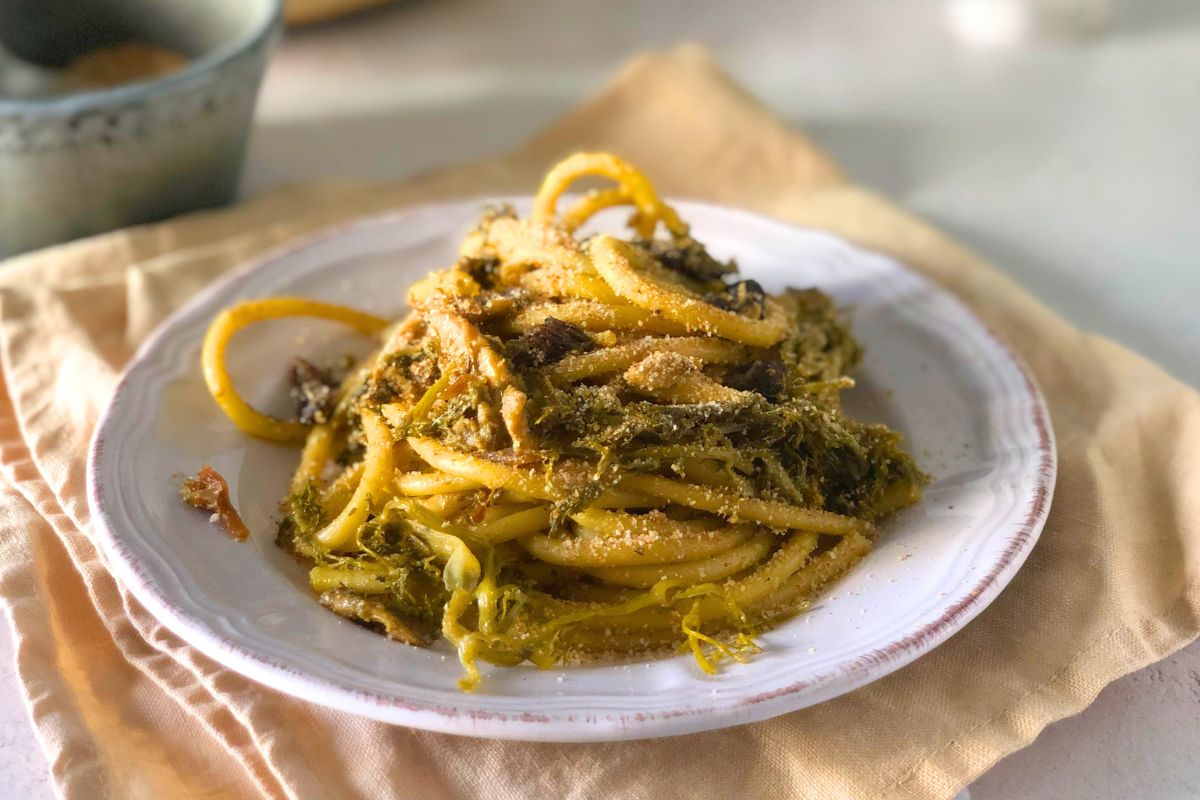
<point>596,201</point>
<point>243,315</point>
<point>633,186</point>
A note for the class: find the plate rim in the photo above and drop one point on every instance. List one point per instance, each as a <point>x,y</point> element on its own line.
<point>554,726</point>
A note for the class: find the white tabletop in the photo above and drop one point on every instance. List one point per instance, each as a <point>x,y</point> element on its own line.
<point>1068,159</point>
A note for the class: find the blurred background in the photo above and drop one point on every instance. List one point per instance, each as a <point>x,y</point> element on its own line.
<point>1060,139</point>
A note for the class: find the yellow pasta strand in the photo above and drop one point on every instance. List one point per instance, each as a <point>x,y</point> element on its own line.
<point>318,446</point>
<point>423,484</point>
<point>632,183</point>
<point>561,282</point>
<point>338,493</point>
<point>715,567</point>
<point>806,582</point>
<point>595,316</point>
<point>513,526</point>
<point>614,260</point>
<point>633,540</point>
<point>232,320</point>
<point>596,201</point>
<point>621,357</point>
<point>378,468</point>
<point>527,482</point>
<point>767,512</point>
<point>673,378</point>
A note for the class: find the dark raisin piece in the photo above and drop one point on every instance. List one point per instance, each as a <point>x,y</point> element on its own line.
<point>687,257</point>
<point>547,344</point>
<point>313,390</point>
<point>764,377</point>
<point>743,297</point>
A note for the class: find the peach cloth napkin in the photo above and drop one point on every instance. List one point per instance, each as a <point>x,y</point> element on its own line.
<point>124,709</point>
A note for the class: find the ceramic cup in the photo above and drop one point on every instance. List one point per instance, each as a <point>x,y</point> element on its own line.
<point>83,163</point>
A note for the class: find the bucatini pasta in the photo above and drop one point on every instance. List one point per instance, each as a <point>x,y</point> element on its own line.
<point>579,447</point>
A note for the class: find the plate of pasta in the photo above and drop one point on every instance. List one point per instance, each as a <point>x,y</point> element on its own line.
<point>570,467</point>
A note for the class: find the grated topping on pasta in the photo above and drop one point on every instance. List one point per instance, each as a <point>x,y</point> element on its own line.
<point>578,447</point>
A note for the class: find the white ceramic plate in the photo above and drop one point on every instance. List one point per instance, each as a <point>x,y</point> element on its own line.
<point>972,416</point>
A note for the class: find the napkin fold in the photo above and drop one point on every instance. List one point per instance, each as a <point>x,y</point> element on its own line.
<point>125,709</point>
